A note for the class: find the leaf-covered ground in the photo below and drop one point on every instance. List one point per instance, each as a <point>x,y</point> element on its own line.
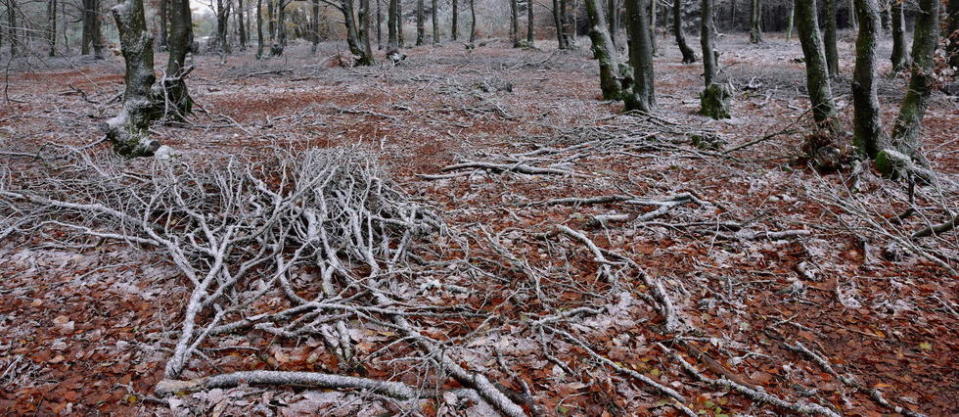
<point>758,253</point>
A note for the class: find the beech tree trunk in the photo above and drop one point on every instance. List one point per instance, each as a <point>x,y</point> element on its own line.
<point>653,11</point>
<point>905,134</point>
<point>179,45</point>
<point>952,32</point>
<point>164,19</point>
<point>436,23</point>
<point>241,24</point>
<point>755,22</point>
<point>900,55</point>
<point>514,23</point>
<point>392,41</point>
<point>640,57</point>
<point>92,35</point>
<point>558,22</point>
<point>817,73</point>
<point>867,124</point>
<point>829,36</point>
<point>420,24</point>
<point>128,131</point>
<point>790,23</point>
<point>222,23</point>
<point>365,26</point>
<point>612,14</point>
<point>714,100</point>
<point>315,25</point>
<point>399,24</point>
<point>610,80</point>
<point>472,21</point>
<point>688,55</point>
<point>456,15</point>
<point>530,20</point>
<point>259,29</point>
<point>52,27</point>
<point>379,25</point>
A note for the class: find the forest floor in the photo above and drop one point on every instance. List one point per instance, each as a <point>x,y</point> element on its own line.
<point>760,255</point>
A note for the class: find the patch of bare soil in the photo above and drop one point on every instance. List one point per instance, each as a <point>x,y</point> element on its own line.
<point>510,228</point>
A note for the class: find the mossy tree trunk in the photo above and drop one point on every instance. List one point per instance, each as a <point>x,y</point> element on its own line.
<point>610,78</point>
<point>714,100</point>
<point>817,74</point>
<point>688,55</point>
<point>128,131</point>
<point>900,54</point>
<point>755,22</point>
<point>643,97</point>
<point>905,134</point>
<point>420,23</point>
<point>867,124</point>
<point>829,37</point>
<point>472,21</point>
<point>179,44</point>
<point>514,23</point>
<point>364,35</point>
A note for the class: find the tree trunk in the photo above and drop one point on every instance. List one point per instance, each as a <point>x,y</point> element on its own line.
<point>829,37</point>
<point>180,39</point>
<point>604,51</point>
<point>867,124</point>
<point>315,26</point>
<point>514,23</point>
<point>530,21</point>
<point>392,42</point>
<point>12,27</point>
<point>365,26</point>
<point>472,21</point>
<point>401,38</point>
<point>755,22</point>
<point>640,57</point>
<point>241,24</point>
<point>652,23</point>
<point>52,27</point>
<point>259,28</point>
<point>456,15</point>
<point>900,55</point>
<point>612,14</point>
<point>688,55</point>
<point>817,74</point>
<point>714,100</point>
<point>222,17</point>
<point>379,25</point>
<point>905,134</point>
<point>420,24</point>
<point>790,22</point>
<point>92,36</point>
<point>558,22</point>
<point>164,19</point>
<point>128,131</point>
<point>952,31</point>
<point>436,23</point>
<point>352,39</point>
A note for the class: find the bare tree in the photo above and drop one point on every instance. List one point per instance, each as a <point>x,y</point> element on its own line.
<point>52,27</point>
<point>953,33</point>
<point>900,53</point>
<point>472,21</point>
<point>241,23</point>
<point>455,24</point>
<point>905,134</point>
<point>714,100</point>
<point>755,22</point>
<point>436,23</point>
<point>92,35</point>
<point>829,37</point>
<point>817,73</point>
<point>222,24</point>
<point>259,29</point>
<point>640,57</point>
<point>612,81</point>
<point>174,87</point>
<point>365,22</point>
<point>392,42</point>
<point>867,124</point>
<point>530,21</point>
<point>420,23</point>
<point>688,55</point>
<point>514,23</point>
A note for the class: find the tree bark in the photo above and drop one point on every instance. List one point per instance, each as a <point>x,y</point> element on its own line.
<point>558,22</point>
<point>420,24</point>
<point>952,31</point>
<point>714,100</point>
<point>392,41</point>
<point>755,22</point>
<point>612,14</point>
<point>610,81</point>
<point>12,37</point>
<point>867,124</point>
<point>900,54</point>
<point>530,21</point>
<point>640,57</point>
<point>436,23</point>
<point>379,25</point>
<point>241,24</point>
<point>653,12</point>
<point>315,26</point>
<point>472,21</point>
<point>514,23</point>
<point>179,44</point>
<point>456,15</point>
<point>791,21</point>
<point>829,36</point>
<point>164,19</point>
<point>399,24</point>
<point>52,27</point>
<point>128,131</point>
<point>92,35</point>
<point>817,73</point>
<point>222,23</point>
<point>259,29</point>
<point>905,134</point>
<point>688,55</point>
<point>365,26</point>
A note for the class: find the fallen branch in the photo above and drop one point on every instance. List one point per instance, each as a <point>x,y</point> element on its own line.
<point>392,389</point>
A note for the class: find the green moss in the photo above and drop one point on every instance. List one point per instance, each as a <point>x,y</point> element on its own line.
<point>715,101</point>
